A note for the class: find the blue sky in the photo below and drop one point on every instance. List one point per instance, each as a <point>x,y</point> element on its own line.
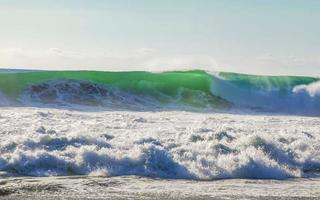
<point>250,36</point>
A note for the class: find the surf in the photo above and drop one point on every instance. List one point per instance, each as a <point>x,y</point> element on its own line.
<point>141,90</point>
<point>174,145</point>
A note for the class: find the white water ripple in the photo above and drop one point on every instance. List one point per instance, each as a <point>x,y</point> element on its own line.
<point>51,142</point>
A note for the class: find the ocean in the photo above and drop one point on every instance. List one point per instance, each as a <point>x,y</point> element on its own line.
<point>169,135</point>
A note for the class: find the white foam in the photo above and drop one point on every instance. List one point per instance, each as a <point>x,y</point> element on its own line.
<point>312,89</point>
<point>43,142</point>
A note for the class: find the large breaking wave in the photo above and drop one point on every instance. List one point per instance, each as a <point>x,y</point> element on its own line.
<point>167,90</point>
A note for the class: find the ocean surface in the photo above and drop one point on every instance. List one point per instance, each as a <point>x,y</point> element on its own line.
<point>89,134</point>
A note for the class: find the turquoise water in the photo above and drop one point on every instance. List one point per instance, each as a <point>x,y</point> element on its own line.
<point>195,88</point>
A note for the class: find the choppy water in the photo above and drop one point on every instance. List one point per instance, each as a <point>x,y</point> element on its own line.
<point>176,144</point>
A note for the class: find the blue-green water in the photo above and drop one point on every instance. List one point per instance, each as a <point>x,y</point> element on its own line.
<point>183,89</point>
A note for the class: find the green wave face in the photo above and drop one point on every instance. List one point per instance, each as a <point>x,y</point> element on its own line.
<point>190,87</point>
<point>167,83</point>
<point>193,89</point>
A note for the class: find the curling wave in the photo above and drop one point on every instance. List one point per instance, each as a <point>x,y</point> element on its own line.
<point>168,90</point>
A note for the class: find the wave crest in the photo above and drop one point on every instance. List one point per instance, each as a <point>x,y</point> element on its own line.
<point>313,89</point>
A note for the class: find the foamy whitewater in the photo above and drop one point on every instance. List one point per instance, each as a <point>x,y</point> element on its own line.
<point>175,144</point>
<point>182,126</point>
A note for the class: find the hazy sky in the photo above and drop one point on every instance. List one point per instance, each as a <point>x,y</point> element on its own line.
<point>251,36</point>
